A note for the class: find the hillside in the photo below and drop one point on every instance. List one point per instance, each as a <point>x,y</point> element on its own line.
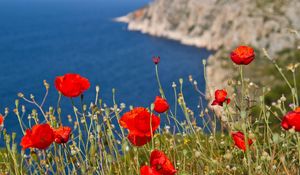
<point>220,26</point>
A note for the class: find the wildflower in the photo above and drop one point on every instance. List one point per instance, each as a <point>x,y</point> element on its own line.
<point>137,121</point>
<point>239,140</point>
<point>228,155</point>
<point>21,95</point>
<point>73,151</point>
<point>156,59</point>
<point>70,118</point>
<point>62,134</point>
<point>97,88</point>
<point>173,85</point>
<point>71,85</point>
<point>160,105</point>
<point>292,120</point>
<point>283,98</point>
<point>1,122</point>
<point>186,141</point>
<point>292,67</point>
<point>292,105</point>
<point>40,136</point>
<point>161,163</point>
<point>191,78</point>
<point>167,129</point>
<point>220,98</point>
<point>146,170</point>
<point>242,55</point>
<point>206,111</point>
<point>122,105</point>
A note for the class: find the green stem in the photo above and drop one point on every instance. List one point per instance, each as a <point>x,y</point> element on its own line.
<point>285,79</point>
<point>161,91</point>
<point>78,123</point>
<point>298,146</point>
<point>244,119</point>
<point>295,89</point>
<point>58,108</point>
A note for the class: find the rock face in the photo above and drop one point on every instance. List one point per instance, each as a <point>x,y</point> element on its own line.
<point>216,24</point>
<point>220,25</point>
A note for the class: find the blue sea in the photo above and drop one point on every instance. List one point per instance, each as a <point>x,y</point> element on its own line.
<point>42,39</point>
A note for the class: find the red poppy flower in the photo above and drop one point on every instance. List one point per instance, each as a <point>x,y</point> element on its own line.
<point>220,98</point>
<point>161,163</point>
<point>239,140</point>
<point>40,136</point>
<point>156,59</point>
<point>292,120</point>
<point>137,121</point>
<point>146,170</point>
<point>242,55</point>
<point>71,85</point>
<point>62,134</point>
<point>1,120</point>
<point>160,105</point>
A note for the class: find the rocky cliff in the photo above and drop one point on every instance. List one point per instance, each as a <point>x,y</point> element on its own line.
<point>220,25</point>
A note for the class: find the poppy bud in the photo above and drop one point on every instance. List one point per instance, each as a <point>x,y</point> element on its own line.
<point>156,59</point>
<point>160,105</point>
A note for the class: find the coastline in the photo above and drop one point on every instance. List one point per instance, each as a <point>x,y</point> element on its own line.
<point>219,27</point>
<point>172,35</point>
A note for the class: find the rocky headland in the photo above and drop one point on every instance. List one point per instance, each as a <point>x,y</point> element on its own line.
<point>220,25</point>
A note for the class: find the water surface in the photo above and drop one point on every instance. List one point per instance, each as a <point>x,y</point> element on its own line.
<point>40,40</point>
